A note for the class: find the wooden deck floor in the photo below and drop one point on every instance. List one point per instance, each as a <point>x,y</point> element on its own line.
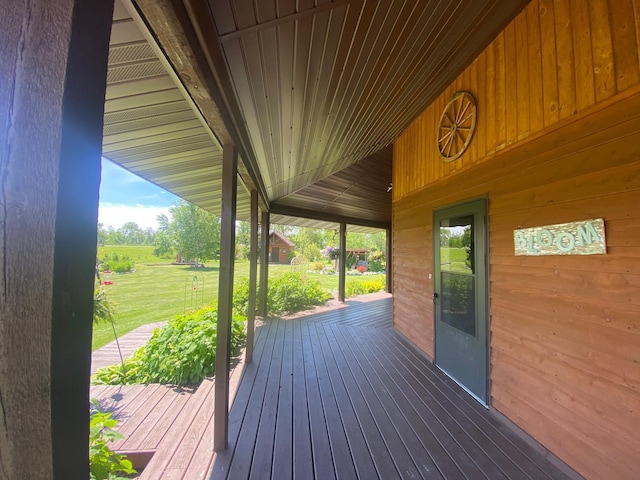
<point>340,394</point>
<point>110,355</point>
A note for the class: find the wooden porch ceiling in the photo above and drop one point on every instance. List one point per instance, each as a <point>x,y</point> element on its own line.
<point>312,92</point>
<point>151,125</point>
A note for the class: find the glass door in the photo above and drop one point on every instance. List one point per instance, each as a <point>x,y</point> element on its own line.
<point>460,295</point>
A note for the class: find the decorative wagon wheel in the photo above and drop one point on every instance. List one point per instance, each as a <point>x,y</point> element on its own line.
<point>457,124</point>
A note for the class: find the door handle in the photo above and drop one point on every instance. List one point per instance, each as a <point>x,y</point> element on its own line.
<point>435,296</point>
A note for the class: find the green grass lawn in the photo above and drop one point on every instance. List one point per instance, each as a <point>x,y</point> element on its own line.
<point>139,253</point>
<point>158,291</point>
<point>453,259</point>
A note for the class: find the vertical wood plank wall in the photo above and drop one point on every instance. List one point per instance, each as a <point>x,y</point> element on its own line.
<point>558,140</point>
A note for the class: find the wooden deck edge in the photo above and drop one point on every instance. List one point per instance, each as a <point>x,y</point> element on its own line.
<point>139,458</point>
<point>237,372</point>
<point>426,356</point>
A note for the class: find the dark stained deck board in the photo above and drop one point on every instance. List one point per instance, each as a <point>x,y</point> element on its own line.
<point>356,400</point>
<point>426,463</point>
<point>302,462</point>
<point>343,463</point>
<point>244,417</point>
<point>185,435</point>
<point>321,448</point>
<point>479,469</point>
<point>150,423</point>
<point>164,423</point>
<point>363,463</point>
<point>473,417</point>
<point>137,410</point>
<point>389,423</point>
<point>263,450</point>
<point>282,462</point>
<point>529,460</point>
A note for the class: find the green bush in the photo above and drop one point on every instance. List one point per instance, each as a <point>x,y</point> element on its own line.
<point>317,266</point>
<point>183,352</point>
<point>241,297</point>
<point>292,292</point>
<point>362,287</point>
<point>288,294</point>
<point>104,463</point>
<point>377,260</point>
<point>117,263</point>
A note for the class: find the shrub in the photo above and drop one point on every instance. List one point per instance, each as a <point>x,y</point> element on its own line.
<point>104,463</point>
<point>292,293</point>
<point>377,260</point>
<point>362,287</point>
<point>182,352</point>
<point>317,266</point>
<point>241,297</point>
<point>117,263</point>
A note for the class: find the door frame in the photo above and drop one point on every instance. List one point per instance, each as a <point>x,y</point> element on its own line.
<point>482,294</point>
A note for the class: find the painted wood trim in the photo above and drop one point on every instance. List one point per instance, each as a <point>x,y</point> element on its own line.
<point>342,262</point>
<point>264,264</point>
<point>225,295</point>
<point>253,270</point>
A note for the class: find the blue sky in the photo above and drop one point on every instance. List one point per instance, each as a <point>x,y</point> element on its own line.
<point>125,197</point>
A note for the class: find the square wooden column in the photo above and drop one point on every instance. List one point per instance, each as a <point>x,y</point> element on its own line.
<point>253,270</point>
<point>53,65</point>
<point>342,264</point>
<point>225,295</point>
<point>264,264</point>
<point>389,262</point>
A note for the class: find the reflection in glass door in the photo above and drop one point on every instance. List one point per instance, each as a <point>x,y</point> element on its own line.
<point>460,295</point>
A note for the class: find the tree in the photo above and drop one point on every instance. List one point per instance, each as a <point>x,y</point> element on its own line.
<point>193,233</point>
<point>132,233</point>
<point>243,240</point>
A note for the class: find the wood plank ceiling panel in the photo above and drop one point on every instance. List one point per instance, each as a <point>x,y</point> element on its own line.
<point>152,128</point>
<point>323,85</point>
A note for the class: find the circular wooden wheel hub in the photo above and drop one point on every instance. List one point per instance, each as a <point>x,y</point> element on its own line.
<point>457,124</point>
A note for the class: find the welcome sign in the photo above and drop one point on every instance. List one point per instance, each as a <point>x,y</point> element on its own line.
<point>575,238</point>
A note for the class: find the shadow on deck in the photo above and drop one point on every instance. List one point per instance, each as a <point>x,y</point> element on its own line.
<point>340,394</point>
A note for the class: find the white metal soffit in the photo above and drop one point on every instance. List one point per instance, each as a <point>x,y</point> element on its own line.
<point>151,126</point>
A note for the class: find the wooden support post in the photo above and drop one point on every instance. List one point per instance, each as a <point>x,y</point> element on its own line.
<point>264,264</point>
<point>389,262</point>
<point>253,270</point>
<point>342,262</point>
<point>54,66</point>
<point>225,295</point>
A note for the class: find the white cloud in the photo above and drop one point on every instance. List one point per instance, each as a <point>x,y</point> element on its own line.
<point>117,215</point>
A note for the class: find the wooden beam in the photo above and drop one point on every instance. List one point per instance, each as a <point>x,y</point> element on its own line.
<point>221,87</point>
<point>264,265</point>
<point>389,262</point>
<point>276,209</point>
<point>54,64</point>
<point>342,262</point>
<point>253,270</point>
<point>177,30</point>
<point>225,295</point>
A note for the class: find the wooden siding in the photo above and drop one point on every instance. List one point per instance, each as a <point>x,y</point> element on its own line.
<point>557,143</point>
<point>556,59</point>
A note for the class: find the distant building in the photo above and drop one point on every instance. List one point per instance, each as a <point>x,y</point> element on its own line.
<point>280,247</point>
